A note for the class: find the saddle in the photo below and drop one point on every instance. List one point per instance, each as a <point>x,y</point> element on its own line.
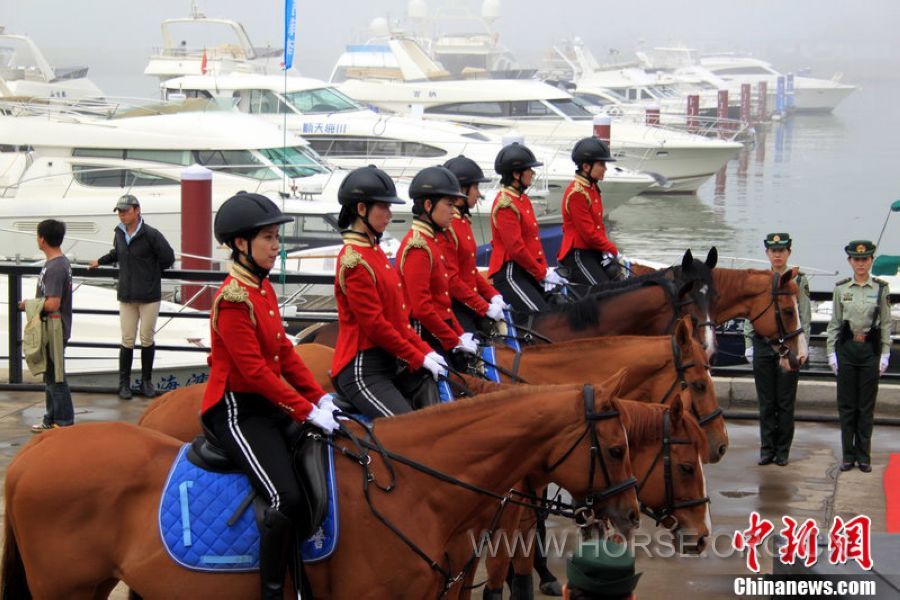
<point>310,468</point>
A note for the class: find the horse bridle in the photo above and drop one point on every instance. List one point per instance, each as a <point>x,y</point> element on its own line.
<point>681,368</point>
<point>665,453</point>
<point>783,334</point>
<point>585,511</point>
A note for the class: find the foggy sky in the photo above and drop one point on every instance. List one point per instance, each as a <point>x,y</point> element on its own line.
<point>114,38</point>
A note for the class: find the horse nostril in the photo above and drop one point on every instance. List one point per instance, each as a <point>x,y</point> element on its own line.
<point>723,449</point>
<point>633,517</point>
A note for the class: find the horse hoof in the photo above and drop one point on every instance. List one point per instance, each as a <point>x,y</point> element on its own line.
<point>551,588</point>
<point>490,594</point>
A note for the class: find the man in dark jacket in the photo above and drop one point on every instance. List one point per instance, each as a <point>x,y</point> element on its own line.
<point>142,254</point>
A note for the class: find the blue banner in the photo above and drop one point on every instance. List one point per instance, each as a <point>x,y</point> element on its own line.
<point>290,32</point>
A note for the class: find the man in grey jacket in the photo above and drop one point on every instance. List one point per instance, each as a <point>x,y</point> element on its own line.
<point>142,253</point>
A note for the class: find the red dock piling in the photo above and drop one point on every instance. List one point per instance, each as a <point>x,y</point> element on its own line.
<point>196,230</point>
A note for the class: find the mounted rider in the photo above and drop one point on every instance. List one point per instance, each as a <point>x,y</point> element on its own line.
<point>586,251</point>
<point>379,360</point>
<point>257,384</point>
<point>518,266</point>
<point>474,299</point>
<point>423,266</point>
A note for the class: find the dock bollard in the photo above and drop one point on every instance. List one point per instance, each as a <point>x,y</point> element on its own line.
<point>196,230</point>
<point>603,127</point>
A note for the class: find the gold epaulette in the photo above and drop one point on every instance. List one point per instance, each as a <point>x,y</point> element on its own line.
<point>236,293</point>
<point>351,259</point>
<point>504,201</point>
<point>577,187</point>
<point>416,240</point>
<point>452,233</point>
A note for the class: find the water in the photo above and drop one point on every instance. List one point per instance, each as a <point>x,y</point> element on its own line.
<point>825,179</point>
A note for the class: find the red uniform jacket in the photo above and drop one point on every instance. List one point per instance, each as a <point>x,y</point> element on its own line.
<point>515,234</point>
<point>426,281</point>
<point>582,213</point>
<point>250,350</point>
<point>372,311</point>
<point>467,285</point>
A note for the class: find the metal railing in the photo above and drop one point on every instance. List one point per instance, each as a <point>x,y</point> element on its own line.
<point>16,272</point>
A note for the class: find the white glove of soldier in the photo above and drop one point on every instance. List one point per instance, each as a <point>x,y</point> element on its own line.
<point>748,354</point>
<point>467,344</point>
<point>322,419</point>
<point>498,299</point>
<point>553,279</point>
<point>435,364</point>
<point>832,362</point>
<point>495,311</point>
<point>327,404</point>
<point>885,359</point>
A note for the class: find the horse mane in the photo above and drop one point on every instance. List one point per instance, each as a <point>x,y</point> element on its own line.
<point>646,424</point>
<point>584,313</point>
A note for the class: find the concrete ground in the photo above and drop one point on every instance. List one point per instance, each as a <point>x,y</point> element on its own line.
<point>809,487</point>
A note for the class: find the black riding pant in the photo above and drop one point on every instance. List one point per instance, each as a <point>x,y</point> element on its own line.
<point>519,289</point>
<point>586,267</point>
<point>378,385</point>
<point>253,433</point>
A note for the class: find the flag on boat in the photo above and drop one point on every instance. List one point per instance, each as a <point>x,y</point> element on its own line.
<point>203,63</point>
<point>290,31</point>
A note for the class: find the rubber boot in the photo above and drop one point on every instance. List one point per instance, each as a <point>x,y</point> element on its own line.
<point>147,355</point>
<point>125,357</point>
<point>275,537</point>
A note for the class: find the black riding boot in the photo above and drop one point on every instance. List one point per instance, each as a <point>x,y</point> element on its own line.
<point>147,355</point>
<point>275,537</point>
<point>125,357</point>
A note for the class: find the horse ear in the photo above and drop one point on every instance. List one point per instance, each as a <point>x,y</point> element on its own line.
<point>788,275</point>
<point>683,331</point>
<point>624,416</point>
<point>612,387</point>
<point>687,261</point>
<point>676,410</point>
<point>712,258</point>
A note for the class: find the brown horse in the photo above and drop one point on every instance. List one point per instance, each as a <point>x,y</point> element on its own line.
<point>769,301</point>
<point>683,509</point>
<point>76,536</point>
<point>659,369</point>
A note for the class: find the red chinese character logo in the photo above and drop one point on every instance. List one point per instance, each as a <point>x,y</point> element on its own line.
<point>851,541</point>
<point>801,542</point>
<point>750,538</point>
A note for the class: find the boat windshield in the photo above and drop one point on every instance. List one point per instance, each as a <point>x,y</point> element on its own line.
<point>574,108</point>
<point>322,100</point>
<point>236,162</point>
<point>295,161</point>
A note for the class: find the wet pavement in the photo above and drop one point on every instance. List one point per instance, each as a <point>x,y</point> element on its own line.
<point>809,487</point>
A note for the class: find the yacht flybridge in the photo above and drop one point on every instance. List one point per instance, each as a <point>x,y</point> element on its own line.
<point>26,73</point>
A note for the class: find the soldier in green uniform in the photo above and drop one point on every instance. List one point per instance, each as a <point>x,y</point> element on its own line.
<point>859,349</point>
<point>776,389</point>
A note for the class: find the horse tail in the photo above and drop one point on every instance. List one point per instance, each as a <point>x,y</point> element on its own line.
<point>13,584</point>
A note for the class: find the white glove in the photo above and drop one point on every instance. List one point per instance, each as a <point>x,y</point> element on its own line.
<point>498,299</point>
<point>608,257</point>
<point>467,344</point>
<point>322,419</point>
<point>832,362</point>
<point>433,366</point>
<point>885,359</point>
<point>327,404</point>
<point>495,311</point>
<point>748,354</point>
<point>553,279</point>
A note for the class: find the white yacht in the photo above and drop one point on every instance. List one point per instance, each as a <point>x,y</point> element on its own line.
<point>810,94</point>
<point>543,114</point>
<point>199,44</point>
<point>26,73</point>
<point>74,167</point>
<point>350,136</point>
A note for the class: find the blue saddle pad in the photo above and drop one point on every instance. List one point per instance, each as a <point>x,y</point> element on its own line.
<point>489,354</point>
<point>511,341</point>
<point>196,506</point>
<point>444,391</point>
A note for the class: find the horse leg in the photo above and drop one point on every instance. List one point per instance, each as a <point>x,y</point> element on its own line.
<point>504,544</point>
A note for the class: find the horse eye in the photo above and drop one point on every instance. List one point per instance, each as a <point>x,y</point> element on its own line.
<point>687,469</point>
<point>618,452</point>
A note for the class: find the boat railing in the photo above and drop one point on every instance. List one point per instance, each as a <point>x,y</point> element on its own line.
<point>109,107</point>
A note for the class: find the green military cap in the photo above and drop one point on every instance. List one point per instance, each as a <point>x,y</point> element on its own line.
<point>860,249</point>
<point>778,240</point>
<point>602,567</point>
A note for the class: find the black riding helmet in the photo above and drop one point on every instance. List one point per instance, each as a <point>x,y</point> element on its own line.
<point>243,215</point>
<point>368,185</point>
<point>591,150</point>
<point>466,170</point>
<point>515,157</point>
<point>434,183</point>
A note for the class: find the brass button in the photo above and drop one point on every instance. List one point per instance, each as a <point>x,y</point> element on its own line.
<point>277,358</point>
<point>403,306</point>
<point>271,313</point>
<point>262,292</point>
<point>278,336</point>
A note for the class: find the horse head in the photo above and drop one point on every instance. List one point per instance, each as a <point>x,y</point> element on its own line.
<point>776,318</point>
<point>596,469</point>
<point>696,291</point>
<point>673,488</point>
<point>698,391</point>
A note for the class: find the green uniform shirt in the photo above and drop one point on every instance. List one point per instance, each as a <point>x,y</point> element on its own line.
<point>857,303</point>
<point>803,306</point>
